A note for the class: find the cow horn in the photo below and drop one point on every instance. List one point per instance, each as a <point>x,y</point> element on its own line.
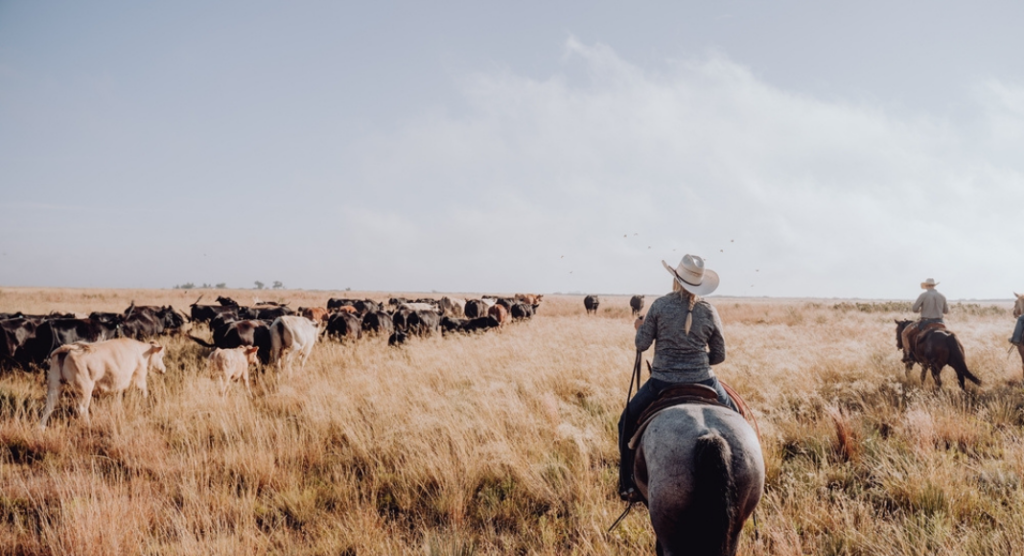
<point>197,301</point>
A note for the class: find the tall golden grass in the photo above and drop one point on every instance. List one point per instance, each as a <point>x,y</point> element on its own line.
<point>504,442</point>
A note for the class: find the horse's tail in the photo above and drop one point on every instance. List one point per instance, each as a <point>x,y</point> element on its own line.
<point>714,495</point>
<point>958,360</point>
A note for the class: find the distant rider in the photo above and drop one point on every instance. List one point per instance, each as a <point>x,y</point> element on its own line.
<point>932,306</point>
<point>687,333</point>
<point>1018,331</point>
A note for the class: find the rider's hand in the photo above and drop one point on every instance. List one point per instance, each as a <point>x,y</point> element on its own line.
<point>637,323</point>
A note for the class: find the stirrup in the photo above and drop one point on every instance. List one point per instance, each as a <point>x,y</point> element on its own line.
<point>631,495</point>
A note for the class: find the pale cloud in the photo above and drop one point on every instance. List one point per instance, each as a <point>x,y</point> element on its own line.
<point>536,184</point>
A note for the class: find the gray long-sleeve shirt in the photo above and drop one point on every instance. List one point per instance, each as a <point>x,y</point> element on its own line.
<point>681,357</point>
<point>932,304</point>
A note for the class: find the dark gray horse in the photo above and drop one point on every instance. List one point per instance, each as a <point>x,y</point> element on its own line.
<point>702,471</point>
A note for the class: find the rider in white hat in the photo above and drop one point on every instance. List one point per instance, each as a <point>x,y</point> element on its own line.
<point>687,334</point>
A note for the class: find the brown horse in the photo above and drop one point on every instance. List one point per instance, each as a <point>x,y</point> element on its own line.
<point>1018,310</point>
<point>936,349</point>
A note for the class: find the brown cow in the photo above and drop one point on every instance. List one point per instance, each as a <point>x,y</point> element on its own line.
<point>499,314</point>
<point>529,298</point>
<point>316,314</point>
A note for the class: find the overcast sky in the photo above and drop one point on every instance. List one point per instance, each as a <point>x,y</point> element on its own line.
<point>802,148</point>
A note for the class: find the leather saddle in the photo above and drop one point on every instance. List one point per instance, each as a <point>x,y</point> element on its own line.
<point>919,332</point>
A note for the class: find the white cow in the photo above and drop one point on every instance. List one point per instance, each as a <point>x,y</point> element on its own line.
<point>110,366</point>
<point>453,306</point>
<point>228,365</point>
<point>417,307</point>
<point>291,337</point>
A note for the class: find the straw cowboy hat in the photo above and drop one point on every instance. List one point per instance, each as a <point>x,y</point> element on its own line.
<point>692,276</point>
<point>929,283</point>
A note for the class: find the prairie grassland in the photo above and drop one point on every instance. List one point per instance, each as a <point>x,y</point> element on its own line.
<point>504,442</point>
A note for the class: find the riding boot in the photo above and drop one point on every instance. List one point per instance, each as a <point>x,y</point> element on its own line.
<point>909,333</point>
<point>627,487</point>
<point>626,472</point>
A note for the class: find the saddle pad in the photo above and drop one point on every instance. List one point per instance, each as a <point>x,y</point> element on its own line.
<point>675,395</point>
<point>691,393</point>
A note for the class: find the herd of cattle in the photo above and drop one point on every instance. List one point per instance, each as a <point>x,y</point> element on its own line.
<point>30,339</point>
<point>108,352</point>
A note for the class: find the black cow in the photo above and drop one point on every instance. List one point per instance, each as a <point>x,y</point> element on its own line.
<point>367,306</point>
<point>637,304</point>
<point>480,323</point>
<point>14,334</point>
<point>397,338</point>
<point>396,302</point>
<point>54,333</point>
<point>378,322</point>
<point>475,308</point>
<point>271,312</point>
<point>399,318</point>
<point>206,313</point>
<point>221,320</point>
<point>142,325</point>
<point>591,302</point>
<point>505,302</point>
<point>241,333</point>
<point>522,311</point>
<point>108,318</point>
<point>344,326</point>
<point>167,318</point>
<point>422,323</point>
<point>225,301</point>
<point>449,324</point>
<point>335,303</point>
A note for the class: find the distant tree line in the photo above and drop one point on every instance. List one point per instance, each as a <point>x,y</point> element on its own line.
<point>277,285</point>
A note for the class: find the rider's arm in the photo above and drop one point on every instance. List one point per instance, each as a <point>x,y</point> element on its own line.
<point>918,304</point>
<point>647,331</point>
<point>716,342</point>
<point>945,306</point>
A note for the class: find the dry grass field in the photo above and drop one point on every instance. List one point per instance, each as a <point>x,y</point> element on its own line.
<point>504,442</point>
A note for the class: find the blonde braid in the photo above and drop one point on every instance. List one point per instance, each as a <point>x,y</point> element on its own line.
<point>689,314</point>
<point>686,296</point>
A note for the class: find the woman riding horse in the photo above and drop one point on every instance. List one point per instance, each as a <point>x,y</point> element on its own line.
<point>688,336</point>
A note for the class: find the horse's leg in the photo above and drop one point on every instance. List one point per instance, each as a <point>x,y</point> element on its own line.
<point>909,367</point>
<point>937,375</point>
<point>924,373</point>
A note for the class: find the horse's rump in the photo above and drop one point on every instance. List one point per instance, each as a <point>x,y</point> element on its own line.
<point>701,469</point>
